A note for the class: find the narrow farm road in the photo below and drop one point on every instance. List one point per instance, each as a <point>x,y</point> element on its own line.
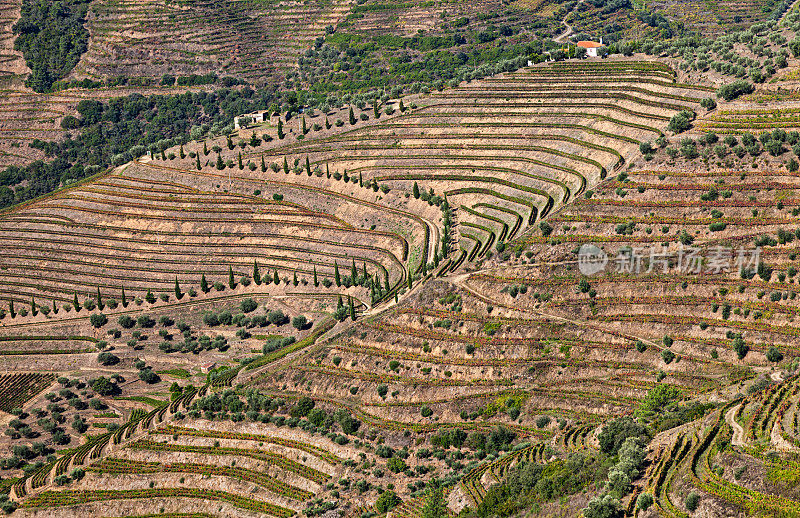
<point>568,31</point>
<point>560,38</point>
<point>738,431</point>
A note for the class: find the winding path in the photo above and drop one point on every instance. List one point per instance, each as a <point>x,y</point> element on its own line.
<point>738,431</point>
<point>568,32</point>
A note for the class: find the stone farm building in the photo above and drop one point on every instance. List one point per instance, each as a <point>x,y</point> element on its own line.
<point>255,117</point>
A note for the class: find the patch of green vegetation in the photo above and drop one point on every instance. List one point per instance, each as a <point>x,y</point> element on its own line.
<point>52,38</point>
<point>502,403</point>
<point>155,403</point>
<point>490,328</point>
<point>783,475</point>
<point>176,373</point>
<point>529,485</point>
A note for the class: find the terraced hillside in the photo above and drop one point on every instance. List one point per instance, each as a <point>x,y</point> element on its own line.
<point>409,18</point>
<point>506,151</point>
<point>503,153</point>
<point>251,40</point>
<point>449,346</point>
<point>712,18</point>
<point>733,297</point>
<point>742,119</point>
<point>246,473</point>
<point>742,456</point>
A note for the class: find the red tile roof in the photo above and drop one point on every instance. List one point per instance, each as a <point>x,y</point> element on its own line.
<point>590,44</point>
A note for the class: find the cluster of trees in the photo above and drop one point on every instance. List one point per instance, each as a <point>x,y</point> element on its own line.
<point>52,38</point>
<point>723,53</point>
<point>275,317</point>
<point>255,406</point>
<point>418,63</point>
<point>528,484</point>
<point>124,128</point>
<point>51,420</point>
<point>774,142</point>
<point>733,90</point>
<point>146,372</point>
<point>623,441</point>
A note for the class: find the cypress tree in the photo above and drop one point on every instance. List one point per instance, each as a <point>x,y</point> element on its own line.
<point>304,129</point>
<point>339,303</point>
<point>203,284</point>
<point>197,162</point>
<point>231,281</point>
<point>415,190</point>
<point>410,279</point>
<point>275,278</point>
<point>124,300</point>
<point>263,165</point>
<point>230,143</point>
<point>163,156</point>
<point>75,302</point>
<point>11,308</point>
<point>33,307</point>
<point>336,276</point>
<point>281,134</point>
<point>205,149</point>
<point>285,166</point>
<point>256,273</point>
<point>182,153</point>
<point>241,165</point>
<point>308,166</point>
<point>327,123</point>
<point>220,163</point>
<point>364,270</point>
<point>352,307</point>
<point>353,272</point>
<point>402,106</point>
<point>316,282</point>
<point>375,109</point>
<point>150,298</point>
<point>99,299</point>
<point>360,180</point>
<point>55,307</point>
<point>386,281</point>
<point>178,293</point>
<point>295,281</point>
<point>327,171</point>
<point>352,116</point>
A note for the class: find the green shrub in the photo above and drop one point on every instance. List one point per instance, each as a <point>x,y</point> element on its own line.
<point>387,501</point>
<point>692,501</point>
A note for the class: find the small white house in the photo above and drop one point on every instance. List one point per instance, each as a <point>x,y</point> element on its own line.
<point>592,47</point>
<point>255,117</point>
